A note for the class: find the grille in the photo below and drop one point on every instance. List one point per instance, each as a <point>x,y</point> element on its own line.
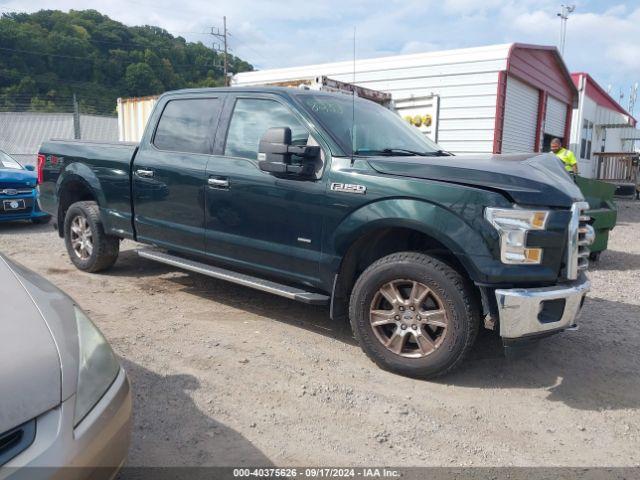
<point>580,236</point>
<point>585,238</point>
<point>19,185</point>
<point>16,191</point>
<point>16,440</point>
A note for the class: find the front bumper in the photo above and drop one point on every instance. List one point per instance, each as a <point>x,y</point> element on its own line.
<point>530,312</point>
<point>31,208</point>
<point>96,448</point>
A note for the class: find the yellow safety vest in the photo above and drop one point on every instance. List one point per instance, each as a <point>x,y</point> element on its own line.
<point>568,158</point>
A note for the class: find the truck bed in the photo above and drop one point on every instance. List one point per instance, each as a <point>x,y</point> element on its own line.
<point>102,167</point>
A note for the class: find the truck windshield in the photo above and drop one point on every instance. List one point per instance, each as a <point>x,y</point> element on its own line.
<point>368,129</point>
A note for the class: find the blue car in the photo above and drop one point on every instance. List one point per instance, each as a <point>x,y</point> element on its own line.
<point>18,192</point>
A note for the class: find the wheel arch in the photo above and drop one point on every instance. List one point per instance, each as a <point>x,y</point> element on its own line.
<point>75,186</point>
<point>400,225</point>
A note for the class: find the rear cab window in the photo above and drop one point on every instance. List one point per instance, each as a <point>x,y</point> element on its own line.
<point>188,125</point>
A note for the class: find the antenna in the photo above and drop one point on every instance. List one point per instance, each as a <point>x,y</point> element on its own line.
<point>353,100</point>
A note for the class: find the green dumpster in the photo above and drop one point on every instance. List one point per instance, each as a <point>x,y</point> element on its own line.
<point>602,210</point>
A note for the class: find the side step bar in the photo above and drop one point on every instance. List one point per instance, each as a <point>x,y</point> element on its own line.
<point>286,291</point>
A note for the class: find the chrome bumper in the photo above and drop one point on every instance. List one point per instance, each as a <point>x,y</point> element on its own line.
<point>530,311</point>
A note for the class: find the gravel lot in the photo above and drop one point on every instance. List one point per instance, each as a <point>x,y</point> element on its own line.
<point>224,375</point>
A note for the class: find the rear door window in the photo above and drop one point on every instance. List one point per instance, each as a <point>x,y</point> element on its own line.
<point>188,125</point>
<point>252,117</point>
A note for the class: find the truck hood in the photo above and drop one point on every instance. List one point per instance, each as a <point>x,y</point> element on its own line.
<point>527,179</point>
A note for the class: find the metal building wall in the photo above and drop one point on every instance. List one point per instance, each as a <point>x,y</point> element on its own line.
<point>465,81</point>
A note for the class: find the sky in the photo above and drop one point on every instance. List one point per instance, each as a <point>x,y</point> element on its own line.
<point>603,37</point>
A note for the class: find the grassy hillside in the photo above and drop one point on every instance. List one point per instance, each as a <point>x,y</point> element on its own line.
<point>47,56</point>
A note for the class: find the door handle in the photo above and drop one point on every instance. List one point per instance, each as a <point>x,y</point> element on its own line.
<point>144,173</point>
<point>218,182</point>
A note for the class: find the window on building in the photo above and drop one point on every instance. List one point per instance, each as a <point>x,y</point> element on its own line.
<point>188,125</point>
<point>586,139</point>
<point>252,117</point>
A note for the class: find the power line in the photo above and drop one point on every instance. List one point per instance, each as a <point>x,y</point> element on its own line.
<point>31,52</point>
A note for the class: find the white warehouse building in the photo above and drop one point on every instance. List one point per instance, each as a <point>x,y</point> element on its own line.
<point>493,99</point>
<point>603,132</point>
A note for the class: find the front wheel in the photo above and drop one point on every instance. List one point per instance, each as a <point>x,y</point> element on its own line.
<point>414,315</point>
<point>89,247</point>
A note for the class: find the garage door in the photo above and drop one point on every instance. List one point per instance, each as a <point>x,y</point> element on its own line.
<point>520,117</point>
<point>555,118</point>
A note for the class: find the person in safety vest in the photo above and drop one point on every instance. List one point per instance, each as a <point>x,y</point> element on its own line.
<point>565,155</point>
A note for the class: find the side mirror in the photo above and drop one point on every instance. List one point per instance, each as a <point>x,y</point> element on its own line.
<point>275,152</point>
<point>31,168</point>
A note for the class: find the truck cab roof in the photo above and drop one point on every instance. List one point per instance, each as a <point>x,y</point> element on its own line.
<point>256,89</point>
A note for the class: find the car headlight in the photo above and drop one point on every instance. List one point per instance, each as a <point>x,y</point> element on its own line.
<point>97,366</point>
<point>513,224</point>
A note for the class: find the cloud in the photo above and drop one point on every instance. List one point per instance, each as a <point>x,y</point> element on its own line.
<point>602,38</point>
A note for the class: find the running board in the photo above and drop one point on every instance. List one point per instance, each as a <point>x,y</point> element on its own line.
<point>286,291</point>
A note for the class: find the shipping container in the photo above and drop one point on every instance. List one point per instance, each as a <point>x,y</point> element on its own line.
<point>133,114</point>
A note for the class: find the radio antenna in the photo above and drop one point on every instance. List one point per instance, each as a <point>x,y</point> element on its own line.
<point>353,100</point>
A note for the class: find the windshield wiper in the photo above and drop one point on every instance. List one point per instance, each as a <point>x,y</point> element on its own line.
<point>388,151</point>
<point>402,151</point>
<point>438,153</point>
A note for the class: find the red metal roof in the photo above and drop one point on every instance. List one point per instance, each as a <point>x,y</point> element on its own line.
<point>542,67</point>
<point>598,94</point>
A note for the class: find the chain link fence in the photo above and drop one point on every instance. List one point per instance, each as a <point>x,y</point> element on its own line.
<point>22,132</point>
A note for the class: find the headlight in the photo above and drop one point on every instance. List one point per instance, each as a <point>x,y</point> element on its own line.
<point>513,224</point>
<point>97,368</point>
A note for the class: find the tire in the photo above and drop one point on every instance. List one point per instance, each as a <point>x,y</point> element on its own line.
<point>450,302</point>
<point>41,220</point>
<point>594,256</point>
<point>104,248</point>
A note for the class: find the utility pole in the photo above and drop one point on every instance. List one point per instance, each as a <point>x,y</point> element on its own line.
<point>222,36</point>
<point>565,10</point>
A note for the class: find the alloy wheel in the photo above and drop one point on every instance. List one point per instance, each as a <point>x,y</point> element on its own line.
<point>81,237</point>
<point>408,318</point>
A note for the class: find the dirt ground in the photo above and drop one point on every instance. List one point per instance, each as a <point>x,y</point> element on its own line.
<point>224,375</point>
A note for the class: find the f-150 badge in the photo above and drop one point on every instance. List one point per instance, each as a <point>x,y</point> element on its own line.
<point>349,188</point>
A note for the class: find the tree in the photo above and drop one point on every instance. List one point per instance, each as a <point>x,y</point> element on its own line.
<point>49,55</point>
<point>141,80</point>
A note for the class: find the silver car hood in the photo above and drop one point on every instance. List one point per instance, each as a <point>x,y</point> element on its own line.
<point>38,345</point>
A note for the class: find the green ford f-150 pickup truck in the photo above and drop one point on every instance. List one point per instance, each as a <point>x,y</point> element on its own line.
<point>327,199</point>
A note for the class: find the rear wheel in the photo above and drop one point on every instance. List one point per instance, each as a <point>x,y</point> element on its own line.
<point>89,247</point>
<point>414,315</point>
